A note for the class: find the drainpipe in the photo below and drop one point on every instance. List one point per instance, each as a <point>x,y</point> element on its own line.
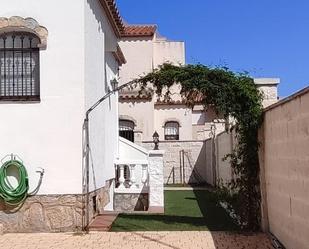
<point>86,128</point>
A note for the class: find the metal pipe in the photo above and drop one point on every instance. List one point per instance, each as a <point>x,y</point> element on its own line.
<point>86,127</point>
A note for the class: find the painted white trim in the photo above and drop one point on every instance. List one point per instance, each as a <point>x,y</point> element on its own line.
<point>132,190</point>
<point>133,145</point>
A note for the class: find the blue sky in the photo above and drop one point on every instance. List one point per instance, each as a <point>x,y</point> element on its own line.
<point>267,38</point>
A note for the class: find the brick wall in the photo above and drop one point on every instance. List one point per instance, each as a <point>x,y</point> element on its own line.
<point>284,159</point>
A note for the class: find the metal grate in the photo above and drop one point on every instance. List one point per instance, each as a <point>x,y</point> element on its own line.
<point>19,67</point>
<point>171,131</point>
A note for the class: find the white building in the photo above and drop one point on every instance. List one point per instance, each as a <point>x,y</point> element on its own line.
<point>173,120</point>
<point>57,58</point>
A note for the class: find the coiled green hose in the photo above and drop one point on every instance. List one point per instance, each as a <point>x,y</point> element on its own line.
<point>13,195</point>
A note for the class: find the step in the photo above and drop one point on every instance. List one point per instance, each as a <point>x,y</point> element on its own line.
<point>103,222</point>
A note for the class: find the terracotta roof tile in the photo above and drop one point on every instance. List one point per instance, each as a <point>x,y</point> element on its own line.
<point>139,30</point>
<point>113,15</point>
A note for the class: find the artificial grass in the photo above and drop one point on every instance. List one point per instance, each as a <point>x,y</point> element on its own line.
<point>188,210</point>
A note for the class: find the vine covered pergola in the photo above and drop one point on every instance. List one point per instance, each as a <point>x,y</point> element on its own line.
<point>232,95</point>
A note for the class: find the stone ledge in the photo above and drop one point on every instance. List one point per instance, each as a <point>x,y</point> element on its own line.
<point>17,23</point>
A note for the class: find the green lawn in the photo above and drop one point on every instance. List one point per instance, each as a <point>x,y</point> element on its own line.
<point>184,211</point>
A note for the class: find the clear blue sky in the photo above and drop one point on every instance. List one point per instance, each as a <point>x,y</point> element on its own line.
<point>267,38</point>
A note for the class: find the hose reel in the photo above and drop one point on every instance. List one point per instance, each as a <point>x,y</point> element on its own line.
<point>16,195</point>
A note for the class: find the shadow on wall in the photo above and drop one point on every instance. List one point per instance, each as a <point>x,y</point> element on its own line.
<point>191,166</point>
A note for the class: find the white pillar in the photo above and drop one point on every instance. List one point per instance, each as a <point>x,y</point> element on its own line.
<point>121,177</point>
<point>144,174</point>
<point>156,181</point>
<point>132,176</point>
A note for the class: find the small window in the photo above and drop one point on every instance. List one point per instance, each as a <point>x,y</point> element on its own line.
<point>171,131</point>
<point>126,125</point>
<point>126,129</point>
<point>19,66</point>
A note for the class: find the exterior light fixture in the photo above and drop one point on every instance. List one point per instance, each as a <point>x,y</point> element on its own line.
<point>114,84</point>
<point>155,137</point>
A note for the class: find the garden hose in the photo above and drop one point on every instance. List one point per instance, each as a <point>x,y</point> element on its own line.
<point>13,196</point>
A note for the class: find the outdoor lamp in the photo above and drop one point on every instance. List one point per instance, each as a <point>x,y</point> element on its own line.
<point>155,137</point>
<point>114,84</point>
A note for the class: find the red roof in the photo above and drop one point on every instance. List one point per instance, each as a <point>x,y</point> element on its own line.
<point>113,15</point>
<point>122,30</point>
<point>139,30</point>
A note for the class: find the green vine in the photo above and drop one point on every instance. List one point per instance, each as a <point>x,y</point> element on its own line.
<point>232,95</point>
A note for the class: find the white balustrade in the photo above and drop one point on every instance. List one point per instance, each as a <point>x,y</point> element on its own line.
<point>134,181</point>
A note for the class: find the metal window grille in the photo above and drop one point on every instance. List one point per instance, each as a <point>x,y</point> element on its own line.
<point>126,129</point>
<point>19,66</point>
<point>171,131</point>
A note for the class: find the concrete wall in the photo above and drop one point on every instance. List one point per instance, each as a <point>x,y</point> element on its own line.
<point>47,134</point>
<point>224,143</point>
<point>285,170</point>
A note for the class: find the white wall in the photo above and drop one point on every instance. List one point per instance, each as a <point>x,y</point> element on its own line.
<point>48,134</point>
<point>100,68</point>
<point>139,55</point>
<point>138,110</point>
<point>168,51</point>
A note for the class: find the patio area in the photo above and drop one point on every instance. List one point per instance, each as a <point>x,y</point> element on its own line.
<point>136,240</point>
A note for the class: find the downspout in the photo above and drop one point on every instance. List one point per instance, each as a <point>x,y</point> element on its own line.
<point>86,128</point>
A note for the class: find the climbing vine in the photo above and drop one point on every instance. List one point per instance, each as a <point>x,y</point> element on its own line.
<point>231,95</point>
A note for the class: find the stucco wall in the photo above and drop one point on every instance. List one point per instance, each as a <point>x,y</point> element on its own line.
<point>139,56</point>
<point>142,112</point>
<point>224,145</point>
<point>100,68</point>
<point>168,51</point>
<point>47,134</point>
<point>285,170</point>
<point>179,113</point>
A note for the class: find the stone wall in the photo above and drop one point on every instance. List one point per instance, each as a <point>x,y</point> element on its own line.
<point>190,154</point>
<point>131,202</point>
<point>44,213</point>
<point>51,213</point>
<point>284,165</point>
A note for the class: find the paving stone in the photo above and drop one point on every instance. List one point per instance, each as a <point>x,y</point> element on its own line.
<point>137,240</point>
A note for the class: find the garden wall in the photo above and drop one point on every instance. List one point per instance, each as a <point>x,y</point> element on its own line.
<point>284,160</point>
<point>184,161</point>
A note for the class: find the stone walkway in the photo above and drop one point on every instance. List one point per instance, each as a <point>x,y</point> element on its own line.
<point>136,240</point>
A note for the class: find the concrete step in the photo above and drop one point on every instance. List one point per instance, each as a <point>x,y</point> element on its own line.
<point>103,222</point>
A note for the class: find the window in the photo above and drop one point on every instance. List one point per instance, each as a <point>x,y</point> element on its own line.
<point>19,66</point>
<point>126,125</point>
<point>126,129</point>
<point>171,131</point>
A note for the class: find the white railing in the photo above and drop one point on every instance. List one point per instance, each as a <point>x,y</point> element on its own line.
<point>132,168</point>
<point>132,177</point>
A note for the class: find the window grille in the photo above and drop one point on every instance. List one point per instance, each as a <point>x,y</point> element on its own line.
<point>126,129</point>
<point>19,66</point>
<point>126,125</point>
<point>171,131</point>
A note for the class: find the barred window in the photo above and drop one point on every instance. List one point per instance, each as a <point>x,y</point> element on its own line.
<point>126,129</point>
<point>126,125</point>
<point>171,130</point>
<point>19,66</point>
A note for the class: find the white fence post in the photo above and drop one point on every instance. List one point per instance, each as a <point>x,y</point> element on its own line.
<point>156,181</point>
